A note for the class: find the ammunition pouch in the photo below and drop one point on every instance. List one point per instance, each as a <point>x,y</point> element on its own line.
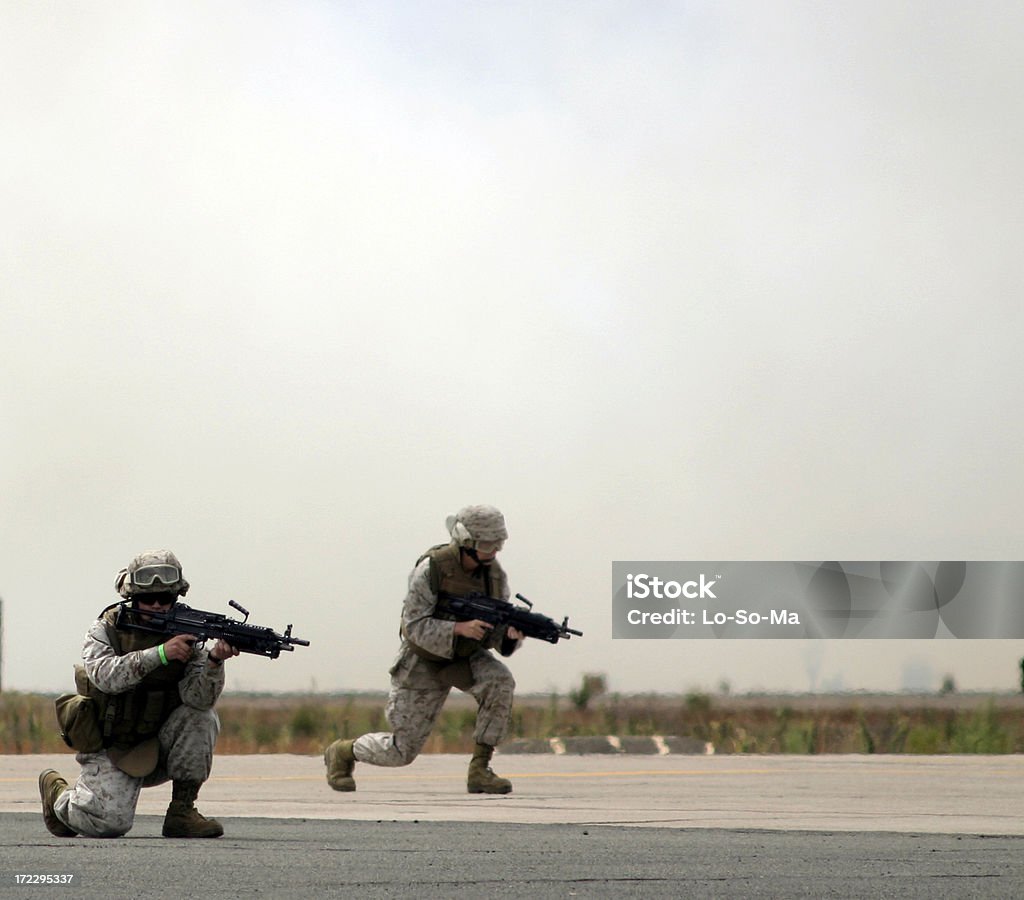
<point>79,723</point>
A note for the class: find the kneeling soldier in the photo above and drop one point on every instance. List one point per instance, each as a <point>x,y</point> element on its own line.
<point>143,714</point>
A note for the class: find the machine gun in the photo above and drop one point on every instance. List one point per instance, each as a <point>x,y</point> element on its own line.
<point>183,619</point>
<point>500,612</point>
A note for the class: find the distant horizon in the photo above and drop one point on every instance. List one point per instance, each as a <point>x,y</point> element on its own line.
<point>612,695</point>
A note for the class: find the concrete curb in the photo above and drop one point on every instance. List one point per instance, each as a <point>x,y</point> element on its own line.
<point>654,745</point>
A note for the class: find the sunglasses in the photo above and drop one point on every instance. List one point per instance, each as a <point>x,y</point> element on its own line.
<point>155,599</point>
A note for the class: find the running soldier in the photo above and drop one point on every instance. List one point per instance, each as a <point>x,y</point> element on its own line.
<point>439,653</point>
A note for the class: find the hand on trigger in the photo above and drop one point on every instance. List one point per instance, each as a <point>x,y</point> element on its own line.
<point>179,647</point>
<point>475,629</point>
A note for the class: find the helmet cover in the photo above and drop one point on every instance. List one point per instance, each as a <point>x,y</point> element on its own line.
<point>473,524</point>
<point>151,572</point>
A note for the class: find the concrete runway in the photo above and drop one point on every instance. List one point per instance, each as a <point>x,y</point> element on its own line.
<point>605,825</point>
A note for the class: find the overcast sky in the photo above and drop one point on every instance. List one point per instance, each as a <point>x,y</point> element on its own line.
<point>285,284</point>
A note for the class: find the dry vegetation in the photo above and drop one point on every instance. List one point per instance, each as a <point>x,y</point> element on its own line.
<point>850,723</point>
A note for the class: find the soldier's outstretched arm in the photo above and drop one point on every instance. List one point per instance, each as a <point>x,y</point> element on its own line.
<point>204,678</point>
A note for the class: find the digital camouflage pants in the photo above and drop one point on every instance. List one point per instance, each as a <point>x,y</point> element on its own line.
<point>102,802</point>
<point>416,698</point>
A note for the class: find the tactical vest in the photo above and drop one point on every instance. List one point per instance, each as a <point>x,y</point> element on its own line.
<point>136,715</point>
<point>446,574</point>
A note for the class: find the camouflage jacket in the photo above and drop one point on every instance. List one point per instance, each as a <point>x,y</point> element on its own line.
<point>199,687</point>
<point>422,627</point>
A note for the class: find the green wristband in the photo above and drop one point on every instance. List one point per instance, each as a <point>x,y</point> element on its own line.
<point>163,656</point>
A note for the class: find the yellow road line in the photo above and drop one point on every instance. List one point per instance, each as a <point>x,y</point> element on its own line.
<point>421,776</point>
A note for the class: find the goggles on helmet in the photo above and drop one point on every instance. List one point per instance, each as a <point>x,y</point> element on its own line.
<point>147,576</point>
<point>488,546</point>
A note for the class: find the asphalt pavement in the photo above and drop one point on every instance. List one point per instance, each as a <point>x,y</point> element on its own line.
<point>590,825</point>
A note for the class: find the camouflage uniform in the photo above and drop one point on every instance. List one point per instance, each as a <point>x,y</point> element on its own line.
<point>419,687</point>
<point>102,802</point>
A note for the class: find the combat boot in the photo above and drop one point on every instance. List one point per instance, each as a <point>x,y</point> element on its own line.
<point>183,820</point>
<point>51,786</point>
<point>340,762</point>
<point>481,779</point>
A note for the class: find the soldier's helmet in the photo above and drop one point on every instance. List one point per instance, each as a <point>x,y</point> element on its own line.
<point>472,526</point>
<point>155,571</point>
